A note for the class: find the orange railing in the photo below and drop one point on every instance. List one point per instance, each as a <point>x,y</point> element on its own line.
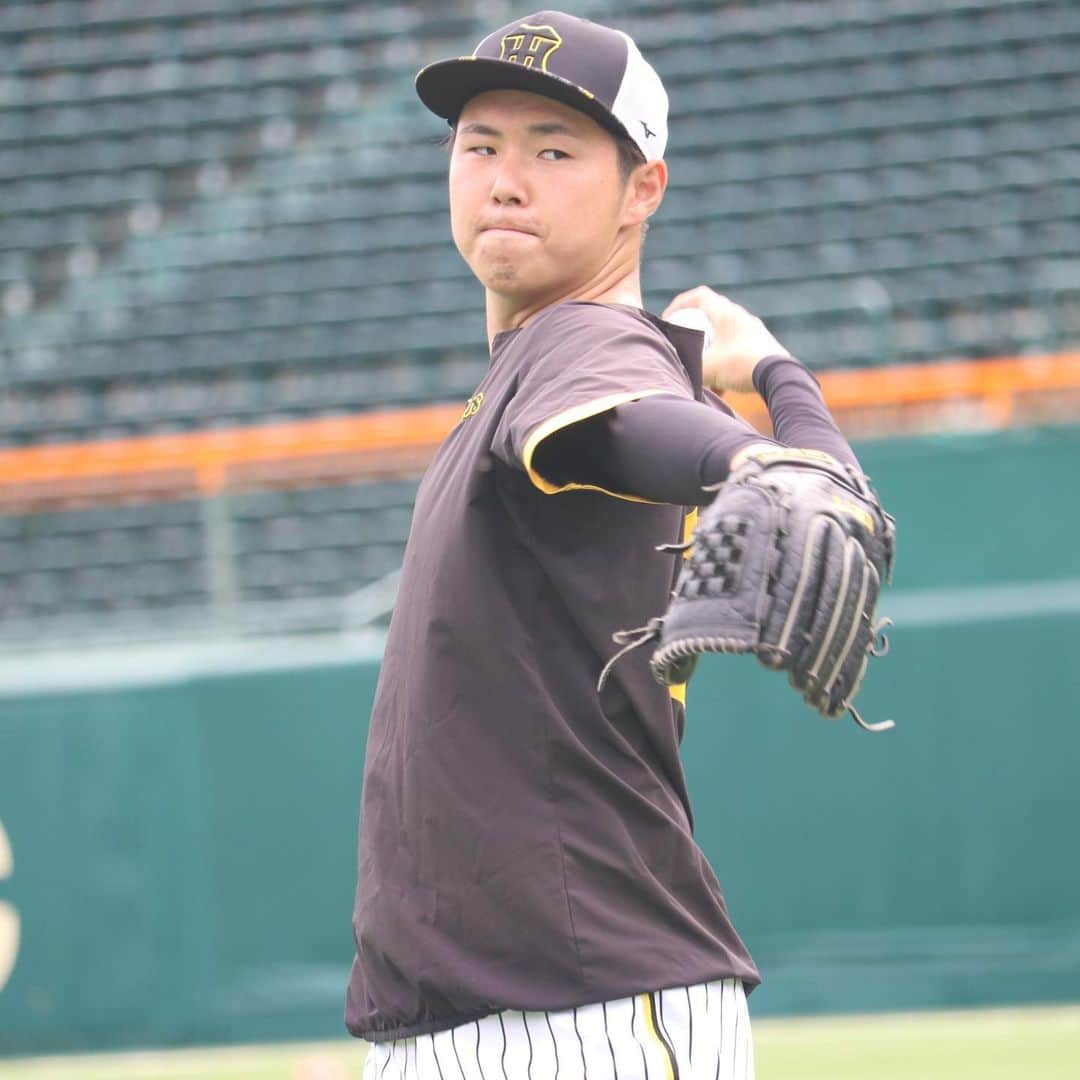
<point>986,393</point>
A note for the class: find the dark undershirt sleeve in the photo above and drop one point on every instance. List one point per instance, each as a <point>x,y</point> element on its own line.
<point>668,449</point>
<point>798,412</point>
<point>663,449</point>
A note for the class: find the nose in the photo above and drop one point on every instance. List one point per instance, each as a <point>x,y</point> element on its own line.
<point>508,187</point>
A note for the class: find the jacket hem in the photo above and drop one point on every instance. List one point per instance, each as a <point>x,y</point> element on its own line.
<point>426,1027</point>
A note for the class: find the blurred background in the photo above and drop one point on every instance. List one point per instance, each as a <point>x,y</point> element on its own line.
<point>232,329</point>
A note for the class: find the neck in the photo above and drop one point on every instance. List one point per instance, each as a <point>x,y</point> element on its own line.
<point>613,285</point>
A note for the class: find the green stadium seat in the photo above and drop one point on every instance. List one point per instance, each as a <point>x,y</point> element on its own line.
<point>241,216</point>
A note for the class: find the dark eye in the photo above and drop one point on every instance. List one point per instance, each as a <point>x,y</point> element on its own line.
<point>483,151</point>
<point>559,154</point>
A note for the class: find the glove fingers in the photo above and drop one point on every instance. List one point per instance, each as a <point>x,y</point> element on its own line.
<point>823,572</point>
<point>836,623</point>
<point>783,645</point>
<point>845,642</point>
<point>852,665</point>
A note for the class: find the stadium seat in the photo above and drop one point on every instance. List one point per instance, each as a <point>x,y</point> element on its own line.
<point>227,216</point>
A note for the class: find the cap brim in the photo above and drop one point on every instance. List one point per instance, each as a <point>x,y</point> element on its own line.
<point>445,87</point>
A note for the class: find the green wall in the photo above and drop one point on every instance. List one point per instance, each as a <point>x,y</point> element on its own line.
<point>184,853</point>
<point>184,858</point>
<point>935,864</point>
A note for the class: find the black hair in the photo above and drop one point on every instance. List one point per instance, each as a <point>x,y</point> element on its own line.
<point>630,156</point>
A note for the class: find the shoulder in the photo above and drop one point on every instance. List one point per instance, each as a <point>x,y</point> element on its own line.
<point>587,327</point>
<point>584,316</point>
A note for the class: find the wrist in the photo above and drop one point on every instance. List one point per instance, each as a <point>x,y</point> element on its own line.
<point>749,450</point>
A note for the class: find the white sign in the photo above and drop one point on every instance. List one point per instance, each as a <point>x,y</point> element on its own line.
<point>9,917</point>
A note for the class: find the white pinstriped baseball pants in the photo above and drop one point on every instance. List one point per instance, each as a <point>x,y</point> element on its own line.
<point>699,1032</point>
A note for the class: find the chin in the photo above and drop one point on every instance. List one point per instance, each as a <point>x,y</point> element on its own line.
<point>500,278</point>
<point>505,277</point>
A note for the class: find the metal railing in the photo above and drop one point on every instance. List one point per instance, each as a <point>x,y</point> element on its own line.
<point>214,468</point>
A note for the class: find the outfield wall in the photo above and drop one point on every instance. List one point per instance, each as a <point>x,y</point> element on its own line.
<point>180,852</point>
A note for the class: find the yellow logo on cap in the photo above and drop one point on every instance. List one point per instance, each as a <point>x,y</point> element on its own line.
<point>542,42</point>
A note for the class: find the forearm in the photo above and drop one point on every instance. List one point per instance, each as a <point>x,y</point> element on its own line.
<point>797,409</point>
<point>667,449</point>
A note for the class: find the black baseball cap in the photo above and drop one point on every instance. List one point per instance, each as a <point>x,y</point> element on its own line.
<point>593,68</point>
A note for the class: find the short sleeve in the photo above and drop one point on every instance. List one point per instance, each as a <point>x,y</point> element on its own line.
<point>579,361</point>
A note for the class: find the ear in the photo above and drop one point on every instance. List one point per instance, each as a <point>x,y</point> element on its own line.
<point>644,192</point>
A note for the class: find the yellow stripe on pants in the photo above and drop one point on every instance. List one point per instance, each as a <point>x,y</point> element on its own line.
<point>648,1004</point>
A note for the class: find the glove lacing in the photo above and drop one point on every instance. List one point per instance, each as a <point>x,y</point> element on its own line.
<point>630,640</point>
<point>642,635</point>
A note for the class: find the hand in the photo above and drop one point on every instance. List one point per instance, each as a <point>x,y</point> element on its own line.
<point>740,340</point>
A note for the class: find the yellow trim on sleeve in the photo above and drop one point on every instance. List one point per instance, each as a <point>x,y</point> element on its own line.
<point>566,419</point>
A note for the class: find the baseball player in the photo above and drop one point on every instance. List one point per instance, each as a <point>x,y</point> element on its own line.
<point>531,902</point>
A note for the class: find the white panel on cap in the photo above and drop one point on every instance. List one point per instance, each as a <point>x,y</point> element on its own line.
<point>642,101</point>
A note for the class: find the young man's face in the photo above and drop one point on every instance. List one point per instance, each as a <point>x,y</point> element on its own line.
<point>536,199</point>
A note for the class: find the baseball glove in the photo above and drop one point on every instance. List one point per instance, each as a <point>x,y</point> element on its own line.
<point>786,563</point>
